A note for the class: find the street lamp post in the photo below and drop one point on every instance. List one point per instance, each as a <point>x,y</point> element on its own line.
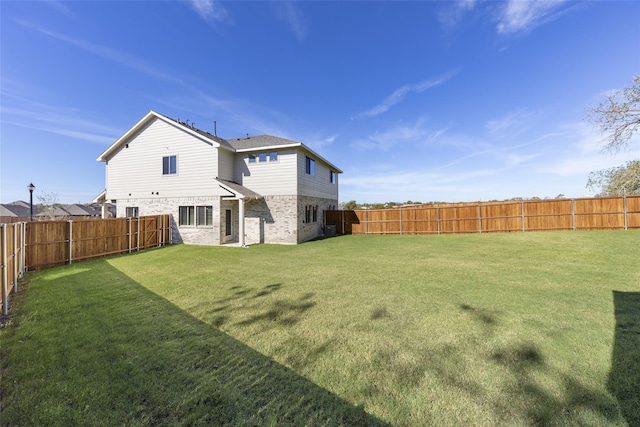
<point>31,187</point>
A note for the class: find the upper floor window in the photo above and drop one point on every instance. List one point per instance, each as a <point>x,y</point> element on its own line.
<point>169,165</point>
<point>332,177</point>
<point>263,157</point>
<point>310,167</point>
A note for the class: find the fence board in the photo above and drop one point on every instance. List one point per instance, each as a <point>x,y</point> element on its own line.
<point>633,212</point>
<point>50,243</point>
<point>11,261</point>
<point>609,213</point>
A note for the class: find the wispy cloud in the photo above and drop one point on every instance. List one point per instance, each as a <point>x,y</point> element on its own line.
<point>521,16</point>
<point>317,142</point>
<point>453,12</point>
<point>414,135</point>
<point>401,93</point>
<point>27,113</point>
<point>510,17</point>
<point>583,154</point>
<point>513,124</point>
<point>209,10</point>
<point>114,55</point>
<point>290,13</point>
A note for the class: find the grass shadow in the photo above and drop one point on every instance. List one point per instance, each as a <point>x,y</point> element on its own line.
<point>90,354</point>
<point>524,363</point>
<point>624,378</point>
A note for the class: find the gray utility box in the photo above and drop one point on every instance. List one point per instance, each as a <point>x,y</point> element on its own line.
<point>329,230</point>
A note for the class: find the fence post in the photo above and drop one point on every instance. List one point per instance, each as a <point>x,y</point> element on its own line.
<point>16,258</point>
<point>438,211</point>
<point>523,217</point>
<point>366,222</point>
<point>5,276</point>
<point>138,234</point>
<point>23,227</point>
<point>70,241</point>
<point>401,220</point>
<point>480,219</point>
<point>624,206</point>
<point>161,239</point>
<point>573,214</point>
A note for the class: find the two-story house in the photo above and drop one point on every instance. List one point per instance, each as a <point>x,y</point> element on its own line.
<point>254,189</point>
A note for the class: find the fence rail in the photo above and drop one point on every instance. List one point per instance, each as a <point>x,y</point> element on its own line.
<point>533,215</point>
<point>38,245</point>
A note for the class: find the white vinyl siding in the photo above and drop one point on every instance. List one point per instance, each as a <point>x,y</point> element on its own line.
<point>319,184</point>
<point>135,171</point>
<point>225,164</point>
<point>270,178</point>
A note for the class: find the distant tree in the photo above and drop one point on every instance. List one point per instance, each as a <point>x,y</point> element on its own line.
<point>616,181</point>
<point>48,205</point>
<point>618,116</point>
<point>350,205</point>
<point>560,196</point>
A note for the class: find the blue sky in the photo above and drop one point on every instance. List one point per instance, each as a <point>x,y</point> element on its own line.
<point>428,101</point>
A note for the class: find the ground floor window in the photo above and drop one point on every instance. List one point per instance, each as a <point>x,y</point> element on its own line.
<point>186,215</point>
<point>311,213</point>
<point>204,215</point>
<point>200,216</point>
<point>132,212</point>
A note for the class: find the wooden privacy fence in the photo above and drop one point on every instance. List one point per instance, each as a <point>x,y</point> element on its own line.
<point>533,215</point>
<point>42,244</point>
<point>12,261</point>
<point>53,243</point>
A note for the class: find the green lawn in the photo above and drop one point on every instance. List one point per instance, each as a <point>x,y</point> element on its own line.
<point>516,329</point>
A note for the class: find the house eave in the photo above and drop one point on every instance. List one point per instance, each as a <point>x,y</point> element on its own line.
<point>109,152</point>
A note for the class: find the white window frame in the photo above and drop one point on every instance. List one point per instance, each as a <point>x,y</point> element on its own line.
<point>190,216</point>
<point>204,212</point>
<point>169,173</point>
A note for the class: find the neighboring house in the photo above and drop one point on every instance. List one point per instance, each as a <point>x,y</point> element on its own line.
<point>17,211</point>
<point>73,211</point>
<point>20,211</point>
<point>258,189</point>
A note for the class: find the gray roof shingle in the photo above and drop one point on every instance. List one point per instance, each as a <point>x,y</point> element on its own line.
<point>237,188</point>
<point>260,141</point>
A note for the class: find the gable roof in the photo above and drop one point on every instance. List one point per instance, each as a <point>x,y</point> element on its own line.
<point>152,115</point>
<point>17,209</point>
<point>237,145</point>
